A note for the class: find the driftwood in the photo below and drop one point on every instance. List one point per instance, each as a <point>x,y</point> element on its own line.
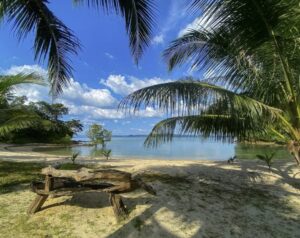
<point>69,182</point>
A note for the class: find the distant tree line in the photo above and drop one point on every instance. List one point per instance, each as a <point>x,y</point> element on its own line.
<point>48,126</point>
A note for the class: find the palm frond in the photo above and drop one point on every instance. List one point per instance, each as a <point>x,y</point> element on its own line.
<point>138,15</point>
<point>53,39</point>
<point>8,82</point>
<point>189,96</point>
<point>14,119</point>
<point>254,54</point>
<point>220,55</point>
<point>220,127</point>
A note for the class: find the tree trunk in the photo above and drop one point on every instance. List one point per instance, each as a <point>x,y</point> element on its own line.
<point>294,149</point>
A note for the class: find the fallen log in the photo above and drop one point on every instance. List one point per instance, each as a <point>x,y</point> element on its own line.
<point>85,174</point>
<point>69,182</point>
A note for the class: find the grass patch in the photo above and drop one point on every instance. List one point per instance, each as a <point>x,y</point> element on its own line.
<point>165,178</point>
<point>16,173</point>
<point>70,166</point>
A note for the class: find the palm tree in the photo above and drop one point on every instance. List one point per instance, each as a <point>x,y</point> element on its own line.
<point>53,39</point>
<point>250,50</point>
<point>13,118</point>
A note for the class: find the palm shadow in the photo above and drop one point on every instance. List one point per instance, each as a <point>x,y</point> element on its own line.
<point>234,206</point>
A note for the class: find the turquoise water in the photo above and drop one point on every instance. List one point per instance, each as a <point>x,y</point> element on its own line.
<point>191,148</point>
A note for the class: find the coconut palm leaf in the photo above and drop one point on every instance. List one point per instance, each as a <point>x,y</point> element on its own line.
<point>138,15</point>
<point>53,39</point>
<point>221,127</point>
<point>8,83</point>
<point>13,119</point>
<point>249,52</point>
<point>190,96</point>
<point>217,54</point>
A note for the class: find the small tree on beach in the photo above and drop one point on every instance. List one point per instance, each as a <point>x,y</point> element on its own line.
<point>99,135</point>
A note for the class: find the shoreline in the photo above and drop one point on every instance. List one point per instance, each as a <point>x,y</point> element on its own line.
<point>243,199</point>
<point>25,152</point>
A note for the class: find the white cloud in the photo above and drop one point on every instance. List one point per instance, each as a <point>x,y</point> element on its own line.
<point>108,55</point>
<point>159,39</point>
<point>81,94</point>
<point>26,69</point>
<point>96,113</point>
<point>86,103</point>
<point>121,85</point>
<point>33,92</point>
<point>74,94</point>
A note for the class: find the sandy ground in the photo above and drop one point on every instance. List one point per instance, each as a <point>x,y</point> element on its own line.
<point>195,199</point>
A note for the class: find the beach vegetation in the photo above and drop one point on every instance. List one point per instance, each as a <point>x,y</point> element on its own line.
<point>267,158</point>
<point>74,156</point>
<point>106,153</point>
<point>71,166</point>
<point>14,174</point>
<point>248,85</point>
<point>99,135</point>
<point>14,117</point>
<point>45,126</point>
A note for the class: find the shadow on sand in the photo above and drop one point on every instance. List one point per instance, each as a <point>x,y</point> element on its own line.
<point>209,201</point>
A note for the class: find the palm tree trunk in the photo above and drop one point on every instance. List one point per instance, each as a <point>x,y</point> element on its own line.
<point>294,149</point>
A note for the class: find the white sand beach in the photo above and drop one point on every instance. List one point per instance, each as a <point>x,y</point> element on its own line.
<point>194,199</point>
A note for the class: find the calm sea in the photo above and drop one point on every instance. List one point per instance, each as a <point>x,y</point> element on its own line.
<point>191,148</point>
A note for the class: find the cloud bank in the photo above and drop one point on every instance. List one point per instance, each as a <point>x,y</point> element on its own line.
<point>86,103</point>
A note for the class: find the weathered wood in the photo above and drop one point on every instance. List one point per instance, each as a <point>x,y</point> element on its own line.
<point>68,182</point>
<point>146,187</point>
<point>121,182</point>
<point>49,183</point>
<point>37,204</point>
<point>118,206</point>
<point>85,174</point>
<point>40,199</point>
<point>67,187</point>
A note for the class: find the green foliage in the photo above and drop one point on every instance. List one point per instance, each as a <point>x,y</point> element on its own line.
<point>36,122</point>
<point>74,156</point>
<point>267,158</point>
<point>106,153</point>
<point>70,166</point>
<point>56,42</point>
<point>251,63</point>
<point>13,116</point>
<point>98,134</point>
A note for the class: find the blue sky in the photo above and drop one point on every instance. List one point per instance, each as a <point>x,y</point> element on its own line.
<point>104,71</point>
